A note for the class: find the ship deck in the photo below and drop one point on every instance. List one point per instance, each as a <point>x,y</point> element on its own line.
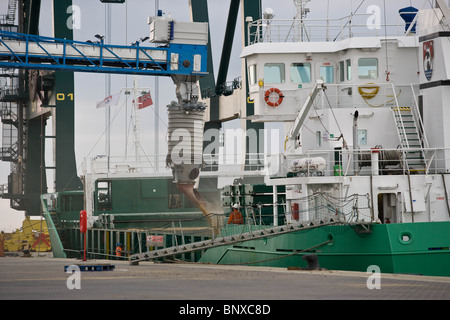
<point>44,278</point>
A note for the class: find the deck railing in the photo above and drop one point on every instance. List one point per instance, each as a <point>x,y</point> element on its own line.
<point>326,29</point>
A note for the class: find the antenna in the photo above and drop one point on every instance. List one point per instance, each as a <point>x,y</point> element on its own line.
<point>302,12</point>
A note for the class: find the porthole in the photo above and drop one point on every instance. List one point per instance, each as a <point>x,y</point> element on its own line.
<point>406,237</point>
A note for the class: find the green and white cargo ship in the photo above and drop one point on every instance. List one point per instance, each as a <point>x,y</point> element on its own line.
<point>361,179</point>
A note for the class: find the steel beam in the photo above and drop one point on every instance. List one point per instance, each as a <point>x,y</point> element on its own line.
<point>253,9</point>
<point>66,177</point>
<point>227,44</point>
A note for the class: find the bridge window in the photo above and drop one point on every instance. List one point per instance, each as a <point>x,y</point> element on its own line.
<point>252,75</point>
<point>349,70</point>
<point>341,71</point>
<point>327,74</point>
<point>319,138</point>
<point>274,73</point>
<point>301,72</point>
<point>368,68</point>
<point>104,195</point>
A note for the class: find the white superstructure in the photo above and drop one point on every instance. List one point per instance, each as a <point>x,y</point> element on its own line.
<point>377,120</point>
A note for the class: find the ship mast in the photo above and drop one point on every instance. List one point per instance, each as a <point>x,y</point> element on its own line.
<point>301,13</point>
<point>136,119</point>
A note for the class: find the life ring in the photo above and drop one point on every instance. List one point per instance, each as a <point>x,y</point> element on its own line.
<point>280,97</point>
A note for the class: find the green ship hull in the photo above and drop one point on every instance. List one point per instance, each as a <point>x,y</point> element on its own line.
<point>407,248</point>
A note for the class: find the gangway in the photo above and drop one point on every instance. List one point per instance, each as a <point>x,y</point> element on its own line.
<point>241,237</point>
<point>324,210</point>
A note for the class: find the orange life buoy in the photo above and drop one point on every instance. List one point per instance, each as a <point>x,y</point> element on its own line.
<point>280,97</point>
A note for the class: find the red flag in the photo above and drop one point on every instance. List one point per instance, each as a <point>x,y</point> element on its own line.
<point>145,101</point>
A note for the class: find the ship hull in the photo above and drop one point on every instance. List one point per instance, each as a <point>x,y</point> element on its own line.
<point>407,248</point>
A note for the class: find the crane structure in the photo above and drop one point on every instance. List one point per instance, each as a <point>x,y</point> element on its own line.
<point>25,51</point>
<point>40,71</point>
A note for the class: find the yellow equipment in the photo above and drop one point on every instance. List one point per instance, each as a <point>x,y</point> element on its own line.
<point>33,236</point>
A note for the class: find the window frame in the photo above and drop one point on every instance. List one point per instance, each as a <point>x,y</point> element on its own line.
<point>368,76</point>
<point>295,65</point>
<point>252,75</point>
<point>332,74</point>
<point>282,73</point>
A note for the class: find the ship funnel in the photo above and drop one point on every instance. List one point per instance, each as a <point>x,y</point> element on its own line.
<point>409,14</point>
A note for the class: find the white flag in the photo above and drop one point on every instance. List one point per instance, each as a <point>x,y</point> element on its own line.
<point>109,101</point>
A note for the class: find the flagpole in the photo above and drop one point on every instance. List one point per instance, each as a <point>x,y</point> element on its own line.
<point>141,99</point>
<point>136,122</point>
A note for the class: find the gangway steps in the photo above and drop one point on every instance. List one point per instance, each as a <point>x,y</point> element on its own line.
<point>231,239</point>
<point>410,138</point>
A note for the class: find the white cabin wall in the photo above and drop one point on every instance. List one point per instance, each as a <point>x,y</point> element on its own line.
<point>433,208</point>
<point>380,128</point>
<point>435,90</point>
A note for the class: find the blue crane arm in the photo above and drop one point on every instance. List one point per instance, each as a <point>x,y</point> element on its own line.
<point>24,51</point>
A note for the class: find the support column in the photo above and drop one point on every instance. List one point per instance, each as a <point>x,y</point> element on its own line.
<point>275,206</point>
<point>253,9</point>
<point>66,177</point>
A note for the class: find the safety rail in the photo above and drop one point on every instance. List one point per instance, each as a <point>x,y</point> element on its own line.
<point>225,89</point>
<point>228,164</point>
<point>346,95</point>
<point>419,120</point>
<point>389,162</point>
<point>314,30</point>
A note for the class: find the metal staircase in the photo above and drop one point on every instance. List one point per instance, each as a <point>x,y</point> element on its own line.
<point>413,140</point>
<point>9,118</point>
<point>12,7</point>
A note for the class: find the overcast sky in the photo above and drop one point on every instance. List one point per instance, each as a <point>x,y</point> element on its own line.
<point>129,23</point>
